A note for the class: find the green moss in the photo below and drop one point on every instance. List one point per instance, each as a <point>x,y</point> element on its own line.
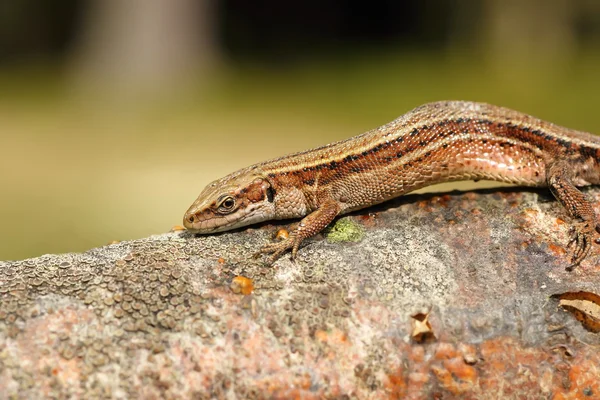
<point>344,230</point>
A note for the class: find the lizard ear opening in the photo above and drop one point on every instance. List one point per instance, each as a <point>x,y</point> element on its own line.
<point>270,194</point>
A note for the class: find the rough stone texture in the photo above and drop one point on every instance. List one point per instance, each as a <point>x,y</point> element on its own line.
<point>175,315</point>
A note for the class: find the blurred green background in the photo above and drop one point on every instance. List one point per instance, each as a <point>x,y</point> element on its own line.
<point>115,114</point>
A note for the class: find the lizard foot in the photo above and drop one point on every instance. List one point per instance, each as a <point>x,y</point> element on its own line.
<point>581,236</point>
<point>278,248</point>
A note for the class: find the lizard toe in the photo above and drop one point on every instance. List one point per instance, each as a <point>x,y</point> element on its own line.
<point>581,237</point>
<point>277,249</point>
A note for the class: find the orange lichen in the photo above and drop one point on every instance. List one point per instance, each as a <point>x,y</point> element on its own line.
<point>445,351</point>
<point>333,337</point>
<point>425,205</point>
<point>321,335</point>
<point>241,284</point>
<point>282,234</point>
<point>396,385</point>
<point>557,250</point>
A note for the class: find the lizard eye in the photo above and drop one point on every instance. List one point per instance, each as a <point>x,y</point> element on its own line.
<point>227,204</point>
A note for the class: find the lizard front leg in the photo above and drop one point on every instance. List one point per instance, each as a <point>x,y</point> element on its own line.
<point>309,226</point>
<point>577,206</point>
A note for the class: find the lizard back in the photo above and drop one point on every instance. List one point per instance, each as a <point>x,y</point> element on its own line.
<point>436,142</point>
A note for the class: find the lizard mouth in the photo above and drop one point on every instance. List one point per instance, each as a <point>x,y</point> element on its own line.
<point>202,230</point>
<point>192,223</point>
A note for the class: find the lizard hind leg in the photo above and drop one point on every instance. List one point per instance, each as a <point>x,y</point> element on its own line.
<point>578,207</point>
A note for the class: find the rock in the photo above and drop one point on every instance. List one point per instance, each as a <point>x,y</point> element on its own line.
<point>447,296</point>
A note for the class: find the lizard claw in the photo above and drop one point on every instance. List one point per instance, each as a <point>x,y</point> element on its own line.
<point>278,248</point>
<point>581,237</point>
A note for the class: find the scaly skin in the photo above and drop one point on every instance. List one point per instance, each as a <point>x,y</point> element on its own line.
<point>436,142</point>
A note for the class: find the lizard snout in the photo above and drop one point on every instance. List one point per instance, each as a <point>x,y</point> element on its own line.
<point>189,219</point>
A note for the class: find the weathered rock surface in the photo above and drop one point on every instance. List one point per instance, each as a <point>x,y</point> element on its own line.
<point>430,296</point>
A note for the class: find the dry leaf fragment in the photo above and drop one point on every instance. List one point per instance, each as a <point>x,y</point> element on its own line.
<point>421,328</point>
<point>585,306</point>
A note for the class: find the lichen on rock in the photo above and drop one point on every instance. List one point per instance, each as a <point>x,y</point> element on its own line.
<point>178,315</point>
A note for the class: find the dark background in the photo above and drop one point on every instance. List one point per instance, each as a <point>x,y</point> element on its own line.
<point>272,31</point>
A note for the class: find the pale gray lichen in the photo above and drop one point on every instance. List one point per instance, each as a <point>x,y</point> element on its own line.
<point>156,317</point>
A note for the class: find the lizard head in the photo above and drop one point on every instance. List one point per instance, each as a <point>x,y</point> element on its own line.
<point>236,200</point>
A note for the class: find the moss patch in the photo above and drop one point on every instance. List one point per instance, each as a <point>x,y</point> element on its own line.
<point>344,230</point>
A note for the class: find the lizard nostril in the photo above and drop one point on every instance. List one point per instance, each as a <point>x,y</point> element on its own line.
<point>191,218</point>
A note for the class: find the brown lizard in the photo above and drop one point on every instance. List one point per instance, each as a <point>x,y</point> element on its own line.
<point>436,142</point>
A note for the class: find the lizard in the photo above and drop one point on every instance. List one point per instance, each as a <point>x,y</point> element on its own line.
<point>437,142</point>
